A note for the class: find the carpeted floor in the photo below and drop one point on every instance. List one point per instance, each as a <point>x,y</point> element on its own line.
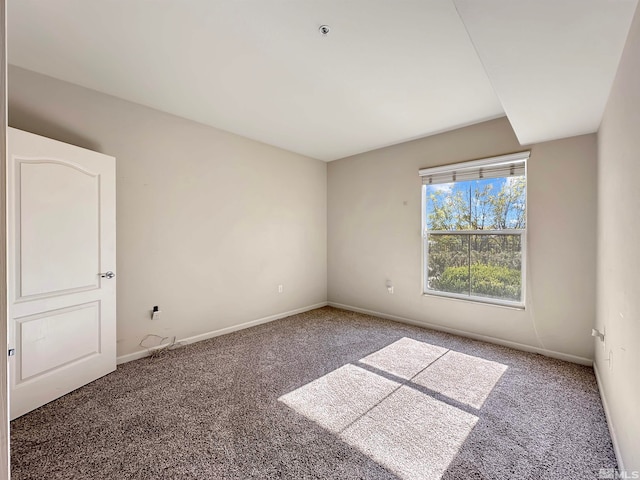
<point>324,394</point>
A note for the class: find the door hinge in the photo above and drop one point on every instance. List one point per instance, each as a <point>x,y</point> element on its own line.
<point>12,352</point>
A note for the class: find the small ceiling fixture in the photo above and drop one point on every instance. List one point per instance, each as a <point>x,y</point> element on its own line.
<point>324,29</point>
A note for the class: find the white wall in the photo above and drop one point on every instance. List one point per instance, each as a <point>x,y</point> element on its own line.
<point>374,234</point>
<point>209,223</point>
<point>618,359</point>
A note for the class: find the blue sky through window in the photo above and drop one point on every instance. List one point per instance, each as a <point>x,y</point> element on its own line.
<point>476,204</point>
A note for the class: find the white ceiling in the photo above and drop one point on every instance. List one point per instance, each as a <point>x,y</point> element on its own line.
<point>388,71</point>
<point>551,62</point>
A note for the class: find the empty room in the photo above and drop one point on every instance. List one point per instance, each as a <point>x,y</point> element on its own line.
<point>320,239</point>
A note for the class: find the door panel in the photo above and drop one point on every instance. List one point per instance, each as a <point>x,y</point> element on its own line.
<point>57,219</point>
<point>61,237</point>
<point>51,340</point>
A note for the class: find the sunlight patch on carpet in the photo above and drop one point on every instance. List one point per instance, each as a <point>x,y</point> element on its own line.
<point>339,398</point>
<point>404,358</point>
<point>404,417</point>
<point>461,377</point>
<point>412,434</point>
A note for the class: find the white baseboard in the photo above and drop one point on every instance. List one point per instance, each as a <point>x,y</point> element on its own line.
<point>222,331</point>
<point>506,343</point>
<point>607,414</point>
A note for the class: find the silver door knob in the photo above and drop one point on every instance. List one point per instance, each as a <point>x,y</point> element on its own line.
<point>109,274</point>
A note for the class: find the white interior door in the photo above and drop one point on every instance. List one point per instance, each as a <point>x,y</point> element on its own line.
<point>62,238</point>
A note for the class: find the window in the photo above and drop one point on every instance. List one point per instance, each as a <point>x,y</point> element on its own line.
<point>474,229</point>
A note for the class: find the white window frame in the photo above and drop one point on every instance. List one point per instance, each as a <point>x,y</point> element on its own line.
<point>520,305</point>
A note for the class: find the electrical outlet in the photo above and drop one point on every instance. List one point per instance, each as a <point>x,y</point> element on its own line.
<point>280,288</point>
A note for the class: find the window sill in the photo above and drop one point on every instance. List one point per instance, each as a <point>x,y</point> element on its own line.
<point>477,300</point>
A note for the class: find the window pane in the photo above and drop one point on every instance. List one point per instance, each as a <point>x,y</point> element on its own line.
<point>448,263</point>
<point>488,204</point>
<point>448,206</point>
<point>496,266</point>
<point>508,202</point>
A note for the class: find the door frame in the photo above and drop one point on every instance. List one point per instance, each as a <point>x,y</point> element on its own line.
<point>4,364</point>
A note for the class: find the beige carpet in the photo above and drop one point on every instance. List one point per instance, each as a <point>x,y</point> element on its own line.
<point>324,394</point>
